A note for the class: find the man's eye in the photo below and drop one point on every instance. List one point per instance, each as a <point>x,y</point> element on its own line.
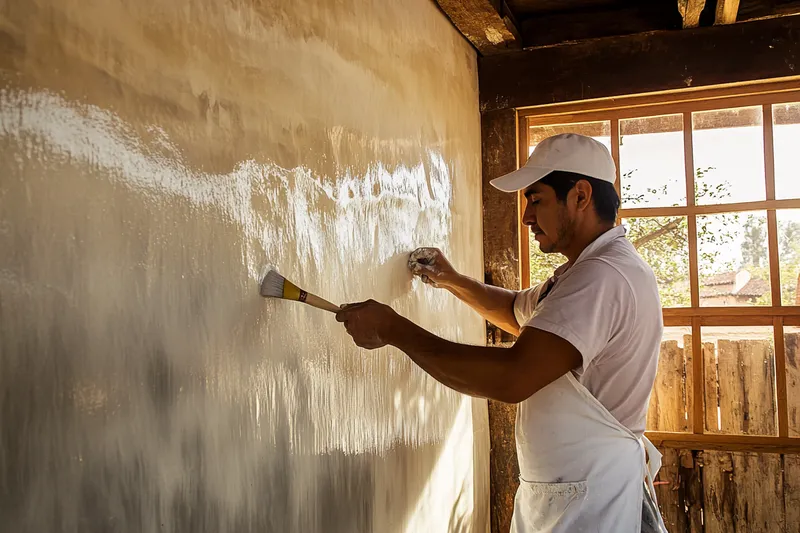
<point>533,202</point>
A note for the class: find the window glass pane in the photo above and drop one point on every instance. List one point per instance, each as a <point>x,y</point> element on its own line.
<point>664,243</point>
<point>789,255</point>
<point>652,162</point>
<point>600,131</point>
<point>733,257</point>
<point>786,139</point>
<point>728,155</point>
<point>791,338</point>
<point>739,389</point>
<point>670,402</point>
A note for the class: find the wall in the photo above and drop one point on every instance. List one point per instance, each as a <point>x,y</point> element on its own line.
<point>155,157</point>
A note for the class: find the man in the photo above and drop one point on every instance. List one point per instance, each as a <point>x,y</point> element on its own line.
<point>585,360</point>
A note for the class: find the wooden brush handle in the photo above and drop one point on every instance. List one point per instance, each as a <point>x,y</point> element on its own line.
<point>315,301</point>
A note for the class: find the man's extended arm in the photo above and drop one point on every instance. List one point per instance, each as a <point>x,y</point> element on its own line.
<point>508,375</point>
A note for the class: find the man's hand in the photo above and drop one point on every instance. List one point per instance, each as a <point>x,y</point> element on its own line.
<point>369,323</point>
<point>432,267</point>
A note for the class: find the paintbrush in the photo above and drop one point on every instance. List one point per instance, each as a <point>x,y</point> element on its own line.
<point>276,286</point>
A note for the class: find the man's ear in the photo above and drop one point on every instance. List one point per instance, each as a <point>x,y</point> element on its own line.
<point>583,194</point>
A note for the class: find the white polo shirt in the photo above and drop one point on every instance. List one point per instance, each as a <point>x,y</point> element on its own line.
<point>607,306</point>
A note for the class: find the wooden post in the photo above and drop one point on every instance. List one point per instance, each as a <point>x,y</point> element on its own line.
<point>500,224</point>
<point>501,268</point>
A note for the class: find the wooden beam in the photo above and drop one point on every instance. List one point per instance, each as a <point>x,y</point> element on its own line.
<point>690,12</point>
<point>569,26</point>
<point>733,443</point>
<point>489,27</point>
<point>713,209</point>
<point>727,11</point>
<point>572,26</point>
<point>659,61</point>
<point>671,320</point>
<point>747,94</point>
<point>735,312</point>
<point>767,8</point>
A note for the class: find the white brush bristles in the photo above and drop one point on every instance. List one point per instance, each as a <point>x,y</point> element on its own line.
<point>272,286</point>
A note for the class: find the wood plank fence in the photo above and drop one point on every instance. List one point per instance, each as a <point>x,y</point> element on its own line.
<point>706,491</point>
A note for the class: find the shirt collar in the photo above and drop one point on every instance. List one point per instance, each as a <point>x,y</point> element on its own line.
<point>610,235</point>
<point>605,238</point>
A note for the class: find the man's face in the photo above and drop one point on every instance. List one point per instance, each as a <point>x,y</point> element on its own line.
<point>549,220</point>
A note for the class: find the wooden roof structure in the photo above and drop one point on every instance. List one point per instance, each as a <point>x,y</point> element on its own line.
<point>501,26</point>
<point>539,52</point>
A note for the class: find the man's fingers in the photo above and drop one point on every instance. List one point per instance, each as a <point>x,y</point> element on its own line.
<point>348,309</point>
<point>418,269</point>
<point>424,255</point>
<point>426,273</point>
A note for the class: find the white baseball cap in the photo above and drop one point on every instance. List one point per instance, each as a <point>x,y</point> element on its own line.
<point>568,152</point>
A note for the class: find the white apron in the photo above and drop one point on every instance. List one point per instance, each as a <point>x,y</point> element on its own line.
<point>581,471</point>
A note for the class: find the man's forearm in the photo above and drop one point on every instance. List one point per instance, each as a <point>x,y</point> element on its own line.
<point>474,370</point>
<point>495,304</point>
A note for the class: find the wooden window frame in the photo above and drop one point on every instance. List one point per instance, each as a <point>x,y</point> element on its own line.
<point>763,94</point>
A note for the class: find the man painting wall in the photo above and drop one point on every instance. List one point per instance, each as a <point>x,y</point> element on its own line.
<point>585,360</point>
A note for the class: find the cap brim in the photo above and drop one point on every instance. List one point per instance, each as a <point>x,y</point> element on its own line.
<point>520,179</point>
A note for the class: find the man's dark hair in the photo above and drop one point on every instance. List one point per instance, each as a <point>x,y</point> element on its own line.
<point>604,195</point>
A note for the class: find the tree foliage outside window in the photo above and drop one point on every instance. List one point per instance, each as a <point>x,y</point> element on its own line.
<point>662,242</point>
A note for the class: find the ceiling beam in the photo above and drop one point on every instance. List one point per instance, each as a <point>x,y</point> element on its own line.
<point>767,8</point>
<point>727,11</point>
<point>487,24</point>
<point>690,11</point>
<point>568,26</point>
<point>642,63</point>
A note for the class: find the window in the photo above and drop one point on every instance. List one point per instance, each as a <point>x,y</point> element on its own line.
<point>710,190</point>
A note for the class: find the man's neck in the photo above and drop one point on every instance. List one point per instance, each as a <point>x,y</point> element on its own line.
<point>582,240</point>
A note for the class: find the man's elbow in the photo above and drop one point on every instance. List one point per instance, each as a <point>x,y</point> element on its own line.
<point>509,327</point>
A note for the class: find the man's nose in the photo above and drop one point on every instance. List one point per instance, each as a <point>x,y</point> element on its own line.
<point>529,216</point>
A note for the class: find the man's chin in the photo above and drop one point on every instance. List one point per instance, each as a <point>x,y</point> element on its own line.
<point>546,247</point>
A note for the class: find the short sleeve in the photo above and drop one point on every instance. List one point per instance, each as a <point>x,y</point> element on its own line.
<point>588,307</point>
<point>524,304</point>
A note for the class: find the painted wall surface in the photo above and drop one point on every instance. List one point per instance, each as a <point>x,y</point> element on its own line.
<point>155,156</point>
